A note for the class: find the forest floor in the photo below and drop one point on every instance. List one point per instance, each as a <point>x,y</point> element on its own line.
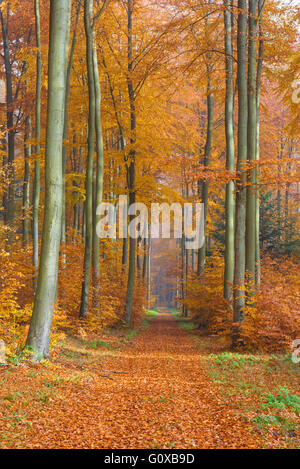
<point>165,385</point>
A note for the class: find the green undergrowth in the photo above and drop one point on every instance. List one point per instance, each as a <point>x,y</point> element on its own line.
<point>184,323</point>
<point>99,343</point>
<point>151,313</point>
<point>264,386</point>
<point>175,313</point>
<point>263,389</point>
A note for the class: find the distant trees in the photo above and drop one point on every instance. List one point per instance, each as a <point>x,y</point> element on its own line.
<point>11,37</point>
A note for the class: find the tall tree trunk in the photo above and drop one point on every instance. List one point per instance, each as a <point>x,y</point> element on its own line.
<point>77,169</point>
<point>88,15</point>
<point>251,151</point>
<point>182,268</point>
<point>40,327</point>
<point>193,255</point>
<point>144,258</point>
<point>258,83</point>
<point>36,183</point>
<point>240,212</point>
<point>99,177</point>
<point>187,254</point>
<point>206,159</point>
<point>66,122</point>
<point>9,207</point>
<point>26,183</point>
<point>287,196</point>
<point>138,256</point>
<point>130,165</point>
<point>94,126</point>
<point>187,257</point>
<point>229,131</point>
<point>183,260</point>
<point>125,239</point>
<point>278,197</point>
<point>149,268</point>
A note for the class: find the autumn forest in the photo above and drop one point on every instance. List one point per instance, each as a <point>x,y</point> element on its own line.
<point>149,225</point>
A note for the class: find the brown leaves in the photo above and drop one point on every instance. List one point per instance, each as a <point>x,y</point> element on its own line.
<point>160,397</point>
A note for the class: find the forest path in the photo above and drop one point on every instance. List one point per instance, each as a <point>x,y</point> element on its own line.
<point>160,397</point>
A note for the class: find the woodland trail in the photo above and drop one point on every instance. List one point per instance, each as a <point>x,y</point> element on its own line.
<point>164,399</point>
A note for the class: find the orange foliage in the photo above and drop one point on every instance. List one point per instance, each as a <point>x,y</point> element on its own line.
<point>271,325</point>
<point>275,322</point>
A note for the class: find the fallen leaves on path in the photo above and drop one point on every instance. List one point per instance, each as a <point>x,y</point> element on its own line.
<point>160,397</point>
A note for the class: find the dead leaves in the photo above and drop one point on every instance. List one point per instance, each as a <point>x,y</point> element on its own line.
<point>158,395</point>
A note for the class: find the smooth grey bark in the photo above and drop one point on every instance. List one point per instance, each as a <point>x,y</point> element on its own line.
<point>149,268</point>
<point>187,254</point>
<point>130,163</point>
<point>193,255</point>
<point>40,326</point>
<point>182,242</point>
<point>258,86</point>
<point>240,211</point>
<point>94,127</point>
<point>145,255</point>
<point>132,249</point>
<point>206,159</point>
<point>278,196</point>
<point>99,176</point>
<point>26,182</point>
<point>183,271</point>
<point>77,169</point>
<point>66,122</point>
<point>187,257</point>
<point>83,221</point>
<point>138,257</point>
<point>88,15</point>
<point>229,133</point>
<point>287,197</point>
<point>36,182</point>
<point>251,150</point>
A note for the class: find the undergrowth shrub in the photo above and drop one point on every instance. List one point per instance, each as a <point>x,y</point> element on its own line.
<point>271,324</point>
<point>16,295</point>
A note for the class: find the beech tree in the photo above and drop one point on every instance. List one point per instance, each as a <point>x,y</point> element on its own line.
<point>130,161</point>
<point>40,327</point>
<point>229,132</point>
<point>94,126</point>
<point>251,149</point>
<point>37,176</point>
<point>240,210</point>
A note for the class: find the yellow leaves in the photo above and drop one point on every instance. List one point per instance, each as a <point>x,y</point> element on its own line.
<point>82,333</point>
<point>75,188</point>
